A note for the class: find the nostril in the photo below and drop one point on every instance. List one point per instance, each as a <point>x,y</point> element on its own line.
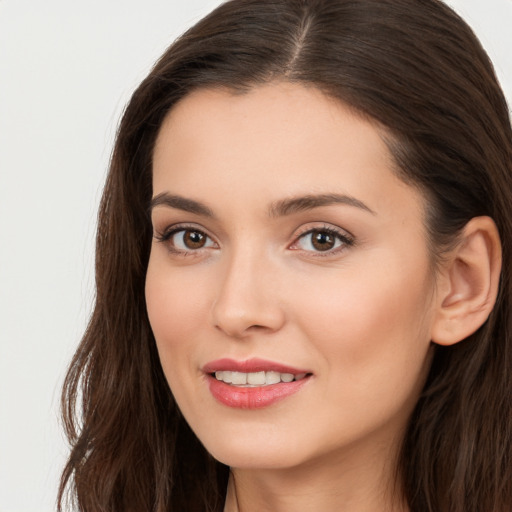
<point>242,331</point>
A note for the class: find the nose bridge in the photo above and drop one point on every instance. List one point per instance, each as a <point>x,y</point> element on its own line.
<point>246,300</point>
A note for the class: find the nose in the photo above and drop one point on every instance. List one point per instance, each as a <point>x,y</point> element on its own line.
<point>247,300</point>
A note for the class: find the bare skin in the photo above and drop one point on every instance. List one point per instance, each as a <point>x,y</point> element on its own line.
<point>283,233</point>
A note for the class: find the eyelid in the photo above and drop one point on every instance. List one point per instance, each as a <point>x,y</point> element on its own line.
<point>164,236</point>
<point>323,226</point>
<point>346,238</point>
<point>169,229</point>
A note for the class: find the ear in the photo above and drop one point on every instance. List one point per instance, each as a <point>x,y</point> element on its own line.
<point>468,283</point>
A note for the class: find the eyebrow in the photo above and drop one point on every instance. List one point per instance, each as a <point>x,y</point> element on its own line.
<point>180,203</point>
<point>308,202</point>
<point>279,208</point>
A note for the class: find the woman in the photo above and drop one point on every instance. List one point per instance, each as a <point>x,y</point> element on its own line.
<point>303,272</point>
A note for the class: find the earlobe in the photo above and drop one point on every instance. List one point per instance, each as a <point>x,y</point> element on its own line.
<point>468,283</point>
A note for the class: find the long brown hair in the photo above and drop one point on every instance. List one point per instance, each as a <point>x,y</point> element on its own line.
<point>416,68</point>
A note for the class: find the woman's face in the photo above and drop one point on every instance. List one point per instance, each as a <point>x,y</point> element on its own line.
<point>286,248</point>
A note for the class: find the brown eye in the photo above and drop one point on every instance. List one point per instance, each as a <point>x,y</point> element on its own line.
<point>193,239</point>
<point>184,240</point>
<point>322,240</point>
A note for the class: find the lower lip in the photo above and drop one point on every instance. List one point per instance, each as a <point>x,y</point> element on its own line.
<point>253,398</point>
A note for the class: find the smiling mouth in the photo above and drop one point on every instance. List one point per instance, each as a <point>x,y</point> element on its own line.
<point>256,379</point>
<point>253,383</point>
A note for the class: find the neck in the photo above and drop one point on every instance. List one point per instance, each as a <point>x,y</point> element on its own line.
<point>342,485</point>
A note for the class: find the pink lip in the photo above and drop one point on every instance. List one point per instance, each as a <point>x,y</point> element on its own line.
<point>250,365</point>
<point>253,397</point>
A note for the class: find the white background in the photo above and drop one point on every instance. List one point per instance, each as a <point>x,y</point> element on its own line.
<point>66,71</point>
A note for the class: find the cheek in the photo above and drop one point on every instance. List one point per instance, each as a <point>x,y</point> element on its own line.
<point>176,311</point>
<point>372,328</point>
<point>172,308</point>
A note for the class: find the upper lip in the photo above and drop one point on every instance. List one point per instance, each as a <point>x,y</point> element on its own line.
<point>250,366</point>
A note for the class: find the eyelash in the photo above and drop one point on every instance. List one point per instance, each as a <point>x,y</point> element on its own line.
<point>346,240</point>
<point>166,236</point>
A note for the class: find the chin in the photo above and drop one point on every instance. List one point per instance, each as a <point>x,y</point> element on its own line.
<point>254,452</point>
<point>255,459</point>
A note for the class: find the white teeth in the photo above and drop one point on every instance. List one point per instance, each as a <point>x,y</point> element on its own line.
<point>238,378</point>
<point>225,376</point>
<point>256,378</point>
<point>272,377</point>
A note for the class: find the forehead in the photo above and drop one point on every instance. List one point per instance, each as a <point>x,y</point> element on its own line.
<point>275,140</point>
<point>292,111</point>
